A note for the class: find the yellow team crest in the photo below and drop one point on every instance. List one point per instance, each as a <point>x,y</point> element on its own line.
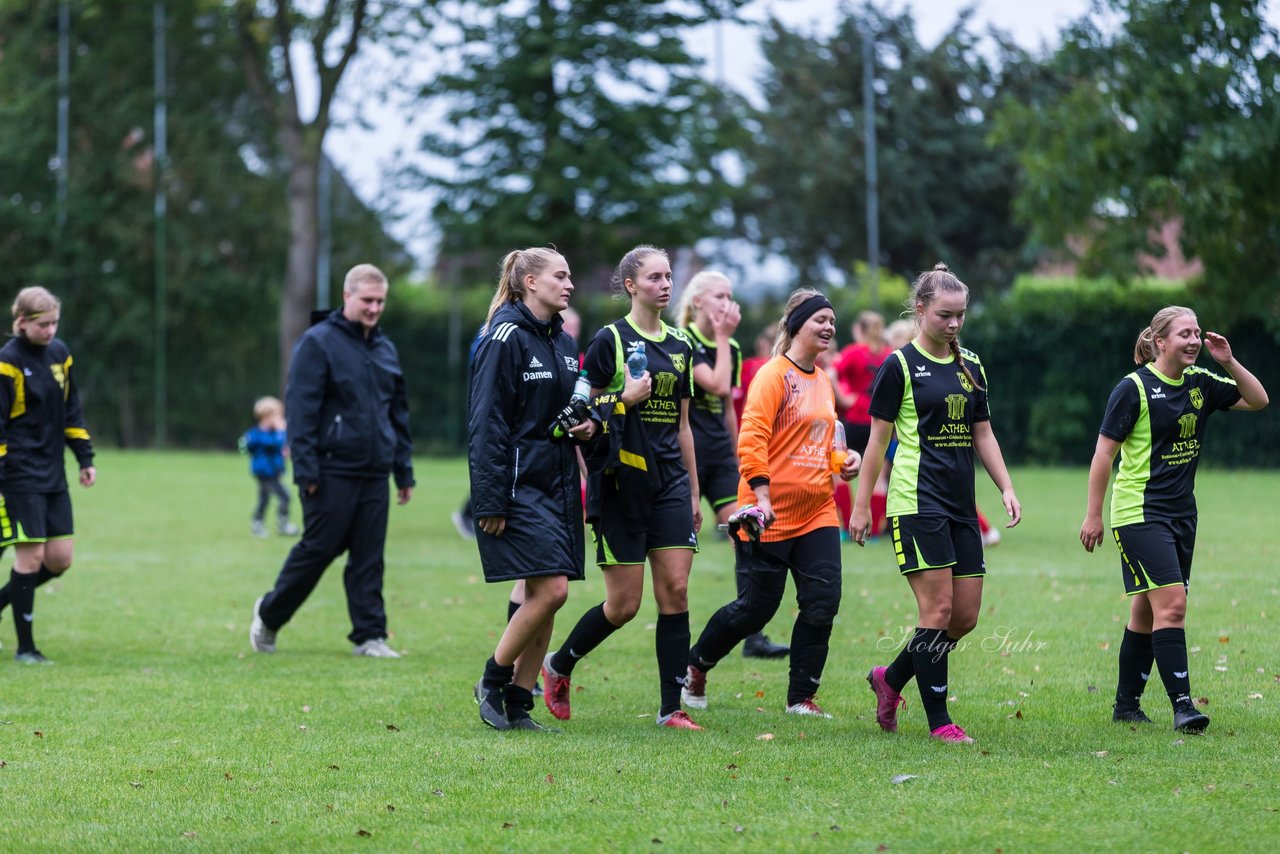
<point>677,362</point>
<point>59,375</point>
<point>1197,398</point>
<point>964,381</point>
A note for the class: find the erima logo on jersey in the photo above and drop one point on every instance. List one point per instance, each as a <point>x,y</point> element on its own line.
<point>534,363</point>
<point>1157,392</point>
<point>921,372</point>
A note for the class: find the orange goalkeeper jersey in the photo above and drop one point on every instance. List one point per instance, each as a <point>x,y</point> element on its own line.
<point>787,427</point>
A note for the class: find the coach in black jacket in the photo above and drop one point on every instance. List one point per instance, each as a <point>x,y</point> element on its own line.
<point>348,429</point>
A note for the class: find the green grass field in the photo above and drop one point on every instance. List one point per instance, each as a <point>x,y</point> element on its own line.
<point>159,729</point>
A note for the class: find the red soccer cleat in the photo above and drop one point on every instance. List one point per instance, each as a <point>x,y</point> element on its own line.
<point>678,720</point>
<point>887,700</point>
<point>555,690</point>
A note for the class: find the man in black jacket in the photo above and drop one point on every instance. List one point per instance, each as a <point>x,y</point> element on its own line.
<point>348,429</point>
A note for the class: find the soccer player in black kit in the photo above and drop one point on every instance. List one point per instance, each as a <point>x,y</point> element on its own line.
<point>1156,419</point>
<point>641,500</point>
<point>40,416</point>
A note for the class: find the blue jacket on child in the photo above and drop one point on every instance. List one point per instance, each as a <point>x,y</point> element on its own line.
<point>266,451</point>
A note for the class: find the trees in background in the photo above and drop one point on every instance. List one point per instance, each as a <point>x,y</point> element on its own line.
<point>1160,110</point>
<point>945,190</point>
<point>585,124</point>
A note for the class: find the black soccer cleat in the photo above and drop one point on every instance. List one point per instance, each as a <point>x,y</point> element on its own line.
<point>492,712</point>
<point>1129,715</point>
<point>529,724</point>
<point>1187,719</point>
<point>759,646</point>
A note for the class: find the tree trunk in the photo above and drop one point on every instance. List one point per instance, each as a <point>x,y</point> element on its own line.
<point>304,238</point>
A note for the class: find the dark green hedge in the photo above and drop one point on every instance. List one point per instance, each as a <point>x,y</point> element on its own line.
<point>1054,352</point>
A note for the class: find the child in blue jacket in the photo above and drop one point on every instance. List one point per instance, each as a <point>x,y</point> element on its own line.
<point>265,445</point>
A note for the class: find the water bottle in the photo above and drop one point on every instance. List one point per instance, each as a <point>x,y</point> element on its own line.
<point>638,361</point>
<point>839,449</point>
<point>577,410</point>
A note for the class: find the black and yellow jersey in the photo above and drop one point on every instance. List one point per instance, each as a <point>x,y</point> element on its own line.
<point>706,410</point>
<point>1160,424</point>
<point>40,416</point>
<point>933,407</point>
<point>671,370</point>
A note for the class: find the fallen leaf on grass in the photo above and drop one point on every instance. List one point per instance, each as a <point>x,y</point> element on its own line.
<point>1220,668</point>
<point>390,808</point>
<point>226,775</point>
<point>1101,753</point>
<point>363,833</point>
<point>765,736</point>
<point>731,767</point>
<point>550,779</point>
<point>136,785</point>
<point>3,763</point>
<point>1092,689</point>
<point>306,709</point>
<point>759,708</point>
<point>506,825</point>
<point>759,694</point>
<point>303,727</point>
<point>1178,742</point>
<point>38,734</point>
<point>656,841</point>
<point>737,828</point>
<point>1202,701</point>
<point>899,779</point>
<point>1251,697</point>
<point>834,827</point>
<point>1105,645</point>
<point>1224,639</point>
<point>333,768</point>
<point>189,834</point>
<point>437,793</point>
<point>1209,787</point>
<point>392,728</point>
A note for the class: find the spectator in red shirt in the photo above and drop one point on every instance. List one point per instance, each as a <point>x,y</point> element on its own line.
<point>856,369</point>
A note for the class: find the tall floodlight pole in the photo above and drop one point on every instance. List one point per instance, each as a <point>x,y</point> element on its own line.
<point>161,209</point>
<point>64,107</point>
<point>869,144</point>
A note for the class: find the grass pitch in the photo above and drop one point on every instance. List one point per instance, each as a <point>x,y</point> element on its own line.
<point>159,729</point>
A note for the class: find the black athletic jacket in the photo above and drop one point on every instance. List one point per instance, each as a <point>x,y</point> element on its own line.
<point>40,416</point>
<point>522,375</point>
<point>346,406</point>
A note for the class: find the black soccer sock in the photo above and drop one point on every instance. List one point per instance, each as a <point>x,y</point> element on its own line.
<point>929,650</point>
<point>518,702</point>
<point>809,646</point>
<point>591,631</point>
<point>512,607</point>
<point>1170,649</point>
<point>1136,658</point>
<point>671,643</point>
<point>22,592</point>
<point>715,642</point>
<point>902,669</point>
<point>42,576</point>
<point>496,676</point>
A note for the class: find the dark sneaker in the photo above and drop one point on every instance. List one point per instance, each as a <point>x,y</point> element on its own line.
<point>677,720</point>
<point>694,692</point>
<point>807,707</point>
<point>1187,719</point>
<point>491,710</point>
<point>759,646</point>
<point>951,733</point>
<point>529,724</point>
<point>555,691</point>
<point>1131,715</point>
<point>888,701</point>
<point>31,656</point>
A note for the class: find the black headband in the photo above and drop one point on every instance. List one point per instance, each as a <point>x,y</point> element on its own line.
<point>805,310</point>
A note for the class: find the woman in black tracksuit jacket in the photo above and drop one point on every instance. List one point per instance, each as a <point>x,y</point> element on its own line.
<point>524,481</point>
